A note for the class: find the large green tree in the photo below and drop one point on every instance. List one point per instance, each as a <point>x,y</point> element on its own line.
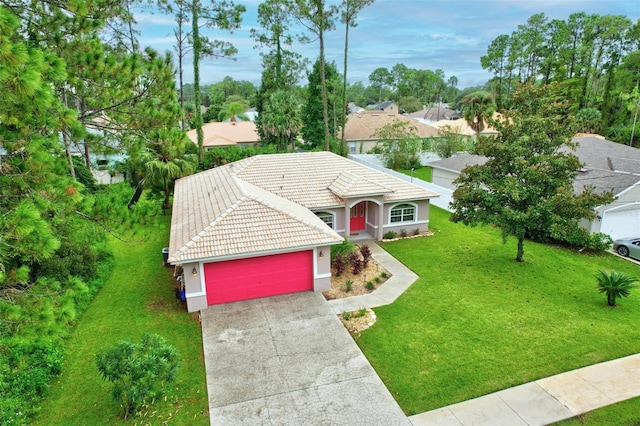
<point>478,108</point>
<point>317,18</point>
<point>399,144</point>
<point>315,128</point>
<point>348,13</point>
<point>281,119</point>
<point>526,186</point>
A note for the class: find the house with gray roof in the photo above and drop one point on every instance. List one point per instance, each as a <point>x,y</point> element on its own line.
<point>265,225</point>
<point>608,166</point>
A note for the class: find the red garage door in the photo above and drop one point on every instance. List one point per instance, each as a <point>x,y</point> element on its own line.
<point>244,279</point>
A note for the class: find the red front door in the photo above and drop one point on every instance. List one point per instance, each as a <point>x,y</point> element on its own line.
<point>358,213</point>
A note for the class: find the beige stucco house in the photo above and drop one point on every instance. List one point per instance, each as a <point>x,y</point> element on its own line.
<point>227,133</point>
<point>265,225</point>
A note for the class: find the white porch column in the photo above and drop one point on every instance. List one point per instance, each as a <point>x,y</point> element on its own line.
<point>347,220</point>
<point>381,219</point>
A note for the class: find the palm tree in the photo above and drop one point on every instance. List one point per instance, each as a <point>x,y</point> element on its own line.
<point>281,119</point>
<point>233,110</point>
<point>165,160</point>
<point>478,108</point>
<point>615,285</point>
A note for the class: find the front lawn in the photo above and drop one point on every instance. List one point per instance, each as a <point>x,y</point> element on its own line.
<point>477,321</point>
<point>422,173</point>
<point>137,298</point>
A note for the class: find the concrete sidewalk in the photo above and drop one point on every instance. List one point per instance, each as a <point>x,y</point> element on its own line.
<point>546,400</point>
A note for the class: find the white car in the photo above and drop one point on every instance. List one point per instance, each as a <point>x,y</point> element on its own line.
<point>628,247</point>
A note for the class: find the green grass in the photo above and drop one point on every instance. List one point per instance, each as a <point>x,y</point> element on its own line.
<point>137,298</point>
<point>423,173</point>
<point>476,321</point>
<point>626,413</point>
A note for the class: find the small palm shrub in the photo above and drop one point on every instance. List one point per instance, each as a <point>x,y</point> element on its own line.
<point>615,285</point>
<point>389,235</point>
<point>370,285</point>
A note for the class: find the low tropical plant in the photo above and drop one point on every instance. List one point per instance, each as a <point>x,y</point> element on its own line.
<point>370,285</point>
<point>356,263</point>
<point>138,371</point>
<point>384,275</point>
<point>615,285</point>
<point>365,252</point>
<point>389,235</point>
<point>339,264</point>
<point>348,284</point>
<point>403,233</point>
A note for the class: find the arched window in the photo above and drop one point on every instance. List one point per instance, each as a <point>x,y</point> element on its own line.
<point>402,213</point>
<point>327,217</point>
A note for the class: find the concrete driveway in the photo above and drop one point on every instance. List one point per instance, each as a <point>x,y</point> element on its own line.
<point>287,360</point>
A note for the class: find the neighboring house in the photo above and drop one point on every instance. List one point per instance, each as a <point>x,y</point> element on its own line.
<point>264,225</point>
<point>462,126</point>
<point>608,166</point>
<point>352,108</point>
<point>387,106</point>
<point>434,114</point>
<point>228,133</point>
<point>360,130</point>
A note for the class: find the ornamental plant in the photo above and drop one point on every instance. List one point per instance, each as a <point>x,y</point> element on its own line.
<point>615,285</point>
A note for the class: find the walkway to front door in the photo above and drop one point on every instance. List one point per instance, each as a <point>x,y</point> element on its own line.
<point>358,215</point>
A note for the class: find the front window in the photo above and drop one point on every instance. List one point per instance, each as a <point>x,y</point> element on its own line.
<point>326,217</point>
<point>403,213</point>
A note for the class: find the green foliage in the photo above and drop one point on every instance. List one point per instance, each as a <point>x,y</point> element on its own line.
<point>281,121</point>
<point>615,285</point>
<point>83,175</point>
<point>389,235</point>
<point>345,248</point>
<point>138,371</point>
<point>403,233</point>
<point>220,156</point>
<point>313,130</point>
<point>400,145</point>
<point>477,109</point>
<point>409,104</point>
<point>449,142</point>
<point>526,186</point>
<point>347,286</point>
<point>370,285</point>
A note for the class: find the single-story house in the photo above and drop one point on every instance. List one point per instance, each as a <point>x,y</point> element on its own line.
<point>265,225</point>
<point>608,166</point>
<point>360,130</point>
<point>386,106</point>
<point>434,114</point>
<point>227,133</point>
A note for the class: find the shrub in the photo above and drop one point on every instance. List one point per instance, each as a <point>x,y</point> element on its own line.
<point>384,275</point>
<point>365,251</point>
<point>138,371</point>
<point>356,263</point>
<point>389,235</point>
<point>403,233</point>
<point>348,284</point>
<point>378,280</point>
<point>370,285</point>
<point>344,248</point>
<point>615,284</point>
<point>347,316</point>
<point>416,231</point>
<point>339,264</point>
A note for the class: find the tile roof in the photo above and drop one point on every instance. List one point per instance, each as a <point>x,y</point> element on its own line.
<point>227,133</point>
<point>608,166</point>
<point>363,125</point>
<point>263,203</point>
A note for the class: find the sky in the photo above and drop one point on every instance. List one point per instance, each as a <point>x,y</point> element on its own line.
<point>450,35</point>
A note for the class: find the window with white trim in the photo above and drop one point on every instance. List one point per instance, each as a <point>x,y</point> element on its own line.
<point>326,217</point>
<point>403,213</point>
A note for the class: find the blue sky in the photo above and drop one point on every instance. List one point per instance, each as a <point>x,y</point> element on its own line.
<point>450,35</point>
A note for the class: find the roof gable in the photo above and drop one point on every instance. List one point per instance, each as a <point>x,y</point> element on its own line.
<point>348,185</point>
<point>364,125</point>
<point>227,133</point>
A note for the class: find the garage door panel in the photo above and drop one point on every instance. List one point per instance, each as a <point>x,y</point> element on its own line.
<point>244,279</point>
<point>621,223</point>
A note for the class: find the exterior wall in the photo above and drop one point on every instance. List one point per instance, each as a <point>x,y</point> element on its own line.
<point>443,178</point>
<point>361,146</point>
<point>103,177</point>
<point>372,222</point>
<point>322,269</point>
<point>422,222</point>
<point>338,219</point>
<point>195,291</point>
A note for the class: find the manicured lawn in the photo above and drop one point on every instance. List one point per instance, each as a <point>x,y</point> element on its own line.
<point>423,173</point>
<point>626,413</point>
<point>137,298</point>
<point>477,321</point>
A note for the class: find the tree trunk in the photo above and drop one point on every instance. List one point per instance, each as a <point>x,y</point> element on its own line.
<point>520,255</point>
<point>325,101</point>
<point>611,299</point>
<point>196,79</point>
<point>344,91</point>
